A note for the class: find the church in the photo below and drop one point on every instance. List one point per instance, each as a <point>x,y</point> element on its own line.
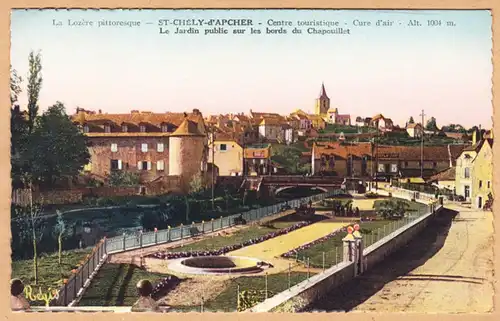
<point>330,115</point>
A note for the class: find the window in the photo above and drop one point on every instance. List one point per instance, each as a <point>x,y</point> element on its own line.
<point>394,168</point>
<point>160,148</point>
<point>223,147</point>
<point>480,184</point>
<point>434,164</point>
<point>144,165</point>
<point>406,164</point>
<point>114,148</point>
<point>488,184</point>
<point>467,172</point>
<point>124,128</point>
<point>381,168</point>
<point>116,164</point>
<point>160,166</point>
<point>86,128</point>
<point>144,148</point>
<point>107,129</point>
<point>164,128</point>
<point>142,128</point>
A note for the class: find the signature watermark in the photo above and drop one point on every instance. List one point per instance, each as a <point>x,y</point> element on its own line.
<point>46,296</point>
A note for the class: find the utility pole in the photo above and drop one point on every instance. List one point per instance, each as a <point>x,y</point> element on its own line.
<point>213,167</point>
<point>422,147</point>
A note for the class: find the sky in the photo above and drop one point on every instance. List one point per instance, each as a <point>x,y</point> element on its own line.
<point>396,71</point>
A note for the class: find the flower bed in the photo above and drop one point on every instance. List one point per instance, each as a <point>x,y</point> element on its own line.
<point>372,195</point>
<point>162,287</point>
<point>293,253</point>
<point>229,248</point>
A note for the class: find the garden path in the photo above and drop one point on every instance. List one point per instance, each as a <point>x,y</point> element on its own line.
<point>270,250</point>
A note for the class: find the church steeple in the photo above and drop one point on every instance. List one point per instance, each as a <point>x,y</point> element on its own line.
<point>323,102</point>
<point>323,92</point>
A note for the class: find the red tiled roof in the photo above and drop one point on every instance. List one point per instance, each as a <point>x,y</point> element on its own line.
<point>445,175</point>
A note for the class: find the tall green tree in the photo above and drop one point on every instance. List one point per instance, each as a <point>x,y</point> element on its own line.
<point>29,218</point>
<point>57,149</point>
<point>195,188</point>
<point>60,233</point>
<point>34,86</point>
<point>15,86</point>
<point>18,129</point>
<point>431,124</point>
<point>411,121</point>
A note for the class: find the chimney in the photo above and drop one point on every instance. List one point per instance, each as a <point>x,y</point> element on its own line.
<point>185,115</point>
<point>474,137</point>
<point>100,111</point>
<point>196,111</point>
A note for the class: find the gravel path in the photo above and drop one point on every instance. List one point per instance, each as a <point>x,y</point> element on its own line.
<point>448,268</point>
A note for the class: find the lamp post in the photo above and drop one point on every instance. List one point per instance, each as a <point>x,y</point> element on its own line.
<point>422,147</point>
<point>213,166</point>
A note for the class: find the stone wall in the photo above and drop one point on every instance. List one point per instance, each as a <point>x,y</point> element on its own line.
<point>73,196</point>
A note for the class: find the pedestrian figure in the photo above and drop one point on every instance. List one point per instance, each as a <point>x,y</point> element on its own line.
<point>145,303</point>
<point>17,300</point>
<point>80,244</point>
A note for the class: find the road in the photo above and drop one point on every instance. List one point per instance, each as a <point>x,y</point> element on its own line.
<point>448,268</point>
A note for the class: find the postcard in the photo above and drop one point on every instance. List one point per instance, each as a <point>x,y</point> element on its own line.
<point>251,161</point>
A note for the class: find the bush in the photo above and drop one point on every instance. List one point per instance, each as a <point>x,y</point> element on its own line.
<point>371,195</point>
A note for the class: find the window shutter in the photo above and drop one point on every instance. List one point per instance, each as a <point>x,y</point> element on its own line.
<point>139,165</point>
<point>149,166</point>
<point>119,164</point>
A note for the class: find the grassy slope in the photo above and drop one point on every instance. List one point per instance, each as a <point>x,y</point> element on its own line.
<point>49,272</point>
<point>114,285</point>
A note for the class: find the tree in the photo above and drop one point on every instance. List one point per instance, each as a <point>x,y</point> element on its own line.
<point>391,209</point>
<point>60,231</point>
<point>411,121</point>
<point>120,178</point>
<point>431,124</point>
<point>34,87</point>
<point>57,148</point>
<point>18,130</point>
<point>15,86</point>
<point>195,187</point>
<point>31,222</point>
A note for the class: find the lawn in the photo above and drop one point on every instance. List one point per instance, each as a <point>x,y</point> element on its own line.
<point>332,248</point>
<point>226,301</point>
<point>50,274</point>
<point>114,285</point>
<point>242,235</point>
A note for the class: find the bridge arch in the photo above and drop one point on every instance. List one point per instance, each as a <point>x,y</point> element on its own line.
<point>284,188</point>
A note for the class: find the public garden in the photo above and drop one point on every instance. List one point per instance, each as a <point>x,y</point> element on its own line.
<point>292,247</point>
<point>66,234</point>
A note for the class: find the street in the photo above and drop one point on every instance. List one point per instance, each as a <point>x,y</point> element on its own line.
<point>448,268</point>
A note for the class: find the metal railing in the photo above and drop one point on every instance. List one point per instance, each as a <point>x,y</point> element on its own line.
<point>81,278</point>
<point>128,242</point>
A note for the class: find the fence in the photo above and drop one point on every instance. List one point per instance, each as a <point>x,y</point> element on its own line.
<point>129,242</point>
<point>73,287</point>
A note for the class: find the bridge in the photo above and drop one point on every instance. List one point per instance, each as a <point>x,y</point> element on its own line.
<point>272,185</point>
